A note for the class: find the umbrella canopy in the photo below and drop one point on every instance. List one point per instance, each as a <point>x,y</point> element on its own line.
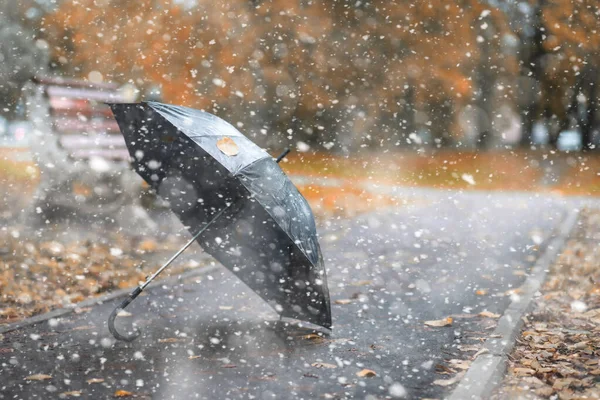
<point>265,232</point>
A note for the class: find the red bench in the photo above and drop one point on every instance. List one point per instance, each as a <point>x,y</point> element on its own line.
<point>78,147</point>
<point>84,124</point>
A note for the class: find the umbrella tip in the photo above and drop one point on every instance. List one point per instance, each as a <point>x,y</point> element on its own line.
<point>286,151</point>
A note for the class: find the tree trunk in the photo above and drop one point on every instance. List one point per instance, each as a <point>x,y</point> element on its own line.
<point>590,113</point>
<point>536,58</point>
<point>486,83</point>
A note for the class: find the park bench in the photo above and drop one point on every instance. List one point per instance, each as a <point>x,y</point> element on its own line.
<point>77,145</point>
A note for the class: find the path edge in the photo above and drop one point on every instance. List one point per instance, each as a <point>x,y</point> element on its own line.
<point>61,312</point>
<point>488,370</point>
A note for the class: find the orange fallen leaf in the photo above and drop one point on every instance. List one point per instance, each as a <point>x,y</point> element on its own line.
<point>481,292</point>
<point>487,314</point>
<point>460,364</point>
<point>83,328</point>
<point>122,393</point>
<point>123,313</point>
<point>228,146</point>
<point>95,380</point>
<point>343,301</point>
<point>451,381</point>
<point>73,393</point>
<point>38,377</point>
<point>366,373</point>
<point>170,340</point>
<point>147,245</point>
<point>480,352</point>
<point>323,365</point>
<point>440,322</point>
<point>523,371</point>
<point>314,337</point>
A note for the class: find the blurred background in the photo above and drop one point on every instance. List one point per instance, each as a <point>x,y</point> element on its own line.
<point>347,78</point>
<point>338,75</point>
<point>471,94</point>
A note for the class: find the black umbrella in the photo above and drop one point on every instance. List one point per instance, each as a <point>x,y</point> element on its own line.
<point>235,201</point>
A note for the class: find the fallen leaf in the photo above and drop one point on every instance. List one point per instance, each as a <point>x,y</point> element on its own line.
<point>83,328</point>
<point>123,313</point>
<point>440,322</point>
<point>73,393</point>
<point>487,314</point>
<point>228,146</point>
<point>480,352</point>
<point>343,301</point>
<point>193,357</point>
<point>443,369</point>
<point>560,384</point>
<point>323,365</point>
<point>449,382</point>
<point>366,373</point>
<point>469,348</point>
<point>529,333</point>
<point>513,292</point>
<point>313,337</point>
<point>578,346</point>
<point>460,364</point>
<point>228,366</point>
<point>38,377</point>
<point>147,245</point>
<point>463,316</point>
<point>361,283</point>
<point>545,391</point>
<point>481,292</point>
<point>170,340</point>
<point>95,380</point>
<point>523,371</point>
<point>123,393</point>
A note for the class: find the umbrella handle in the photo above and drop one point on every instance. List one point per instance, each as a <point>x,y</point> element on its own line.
<point>113,315</point>
<point>138,290</point>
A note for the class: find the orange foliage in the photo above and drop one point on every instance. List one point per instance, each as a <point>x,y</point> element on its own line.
<point>281,58</point>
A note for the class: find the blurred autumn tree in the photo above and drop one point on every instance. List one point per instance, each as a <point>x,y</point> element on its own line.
<point>560,60</point>
<point>337,73</point>
<point>21,56</point>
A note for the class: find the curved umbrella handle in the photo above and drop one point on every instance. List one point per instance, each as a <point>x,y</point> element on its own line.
<point>113,315</point>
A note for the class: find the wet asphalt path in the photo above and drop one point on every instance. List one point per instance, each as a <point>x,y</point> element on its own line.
<point>210,338</point>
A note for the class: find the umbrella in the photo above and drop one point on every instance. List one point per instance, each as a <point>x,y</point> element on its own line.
<point>234,200</point>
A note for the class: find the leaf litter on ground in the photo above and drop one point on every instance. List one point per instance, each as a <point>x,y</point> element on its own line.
<point>39,274</point>
<point>556,355</point>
